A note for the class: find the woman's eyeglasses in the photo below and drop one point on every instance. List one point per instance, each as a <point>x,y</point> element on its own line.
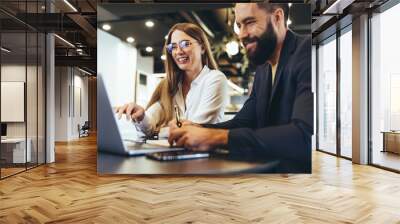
<point>183,44</point>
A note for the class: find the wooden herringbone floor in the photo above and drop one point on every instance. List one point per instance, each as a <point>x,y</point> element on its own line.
<point>70,191</point>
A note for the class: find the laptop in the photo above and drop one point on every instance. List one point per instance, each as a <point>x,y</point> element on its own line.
<point>109,137</point>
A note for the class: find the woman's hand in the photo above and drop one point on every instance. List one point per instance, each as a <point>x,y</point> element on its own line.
<point>132,111</point>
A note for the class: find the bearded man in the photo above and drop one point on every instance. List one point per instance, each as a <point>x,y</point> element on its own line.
<point>277,119</point>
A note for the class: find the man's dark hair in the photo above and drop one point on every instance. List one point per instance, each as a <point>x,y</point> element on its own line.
<point>271,7</point>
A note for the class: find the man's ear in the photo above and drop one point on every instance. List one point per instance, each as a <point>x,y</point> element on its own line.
<point>278,18</point>
<point>279,15</point>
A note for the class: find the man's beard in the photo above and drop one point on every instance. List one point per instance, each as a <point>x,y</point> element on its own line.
<point>265,47</point>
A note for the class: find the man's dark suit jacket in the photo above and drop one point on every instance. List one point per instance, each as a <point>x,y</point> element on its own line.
<point>277,122</point>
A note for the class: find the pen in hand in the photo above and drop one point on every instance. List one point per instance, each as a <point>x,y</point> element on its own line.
<point>177,116</point>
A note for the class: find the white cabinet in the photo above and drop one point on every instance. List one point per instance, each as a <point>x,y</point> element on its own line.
<point>16,148</point>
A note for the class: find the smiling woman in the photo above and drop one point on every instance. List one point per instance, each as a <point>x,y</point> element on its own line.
<point>190,69</point>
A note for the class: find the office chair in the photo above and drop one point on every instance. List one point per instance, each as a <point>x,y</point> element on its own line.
<point>84,130</point>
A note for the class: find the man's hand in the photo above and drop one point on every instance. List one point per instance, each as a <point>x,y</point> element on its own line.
<point>172,124</point>
<point>198,138</point>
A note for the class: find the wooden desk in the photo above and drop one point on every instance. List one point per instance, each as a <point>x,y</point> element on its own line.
<point>115,164</point>
<point>391,141</point>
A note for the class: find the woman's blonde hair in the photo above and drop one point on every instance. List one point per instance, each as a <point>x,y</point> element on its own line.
<point>168,87</point>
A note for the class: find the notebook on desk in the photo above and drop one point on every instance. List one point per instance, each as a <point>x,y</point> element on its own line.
<point>109,136</point>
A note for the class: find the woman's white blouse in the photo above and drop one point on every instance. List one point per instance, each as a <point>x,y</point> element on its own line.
<point>205,102</point>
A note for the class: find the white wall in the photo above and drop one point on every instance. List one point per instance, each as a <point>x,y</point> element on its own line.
<point>12,73</point>
<point>33,126</point>
<point>117,65</point>
<point>81,104</point>
<point>145,64</point>
<point>61,103</point>
<point>71,94</point>
<point>82,82</point>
